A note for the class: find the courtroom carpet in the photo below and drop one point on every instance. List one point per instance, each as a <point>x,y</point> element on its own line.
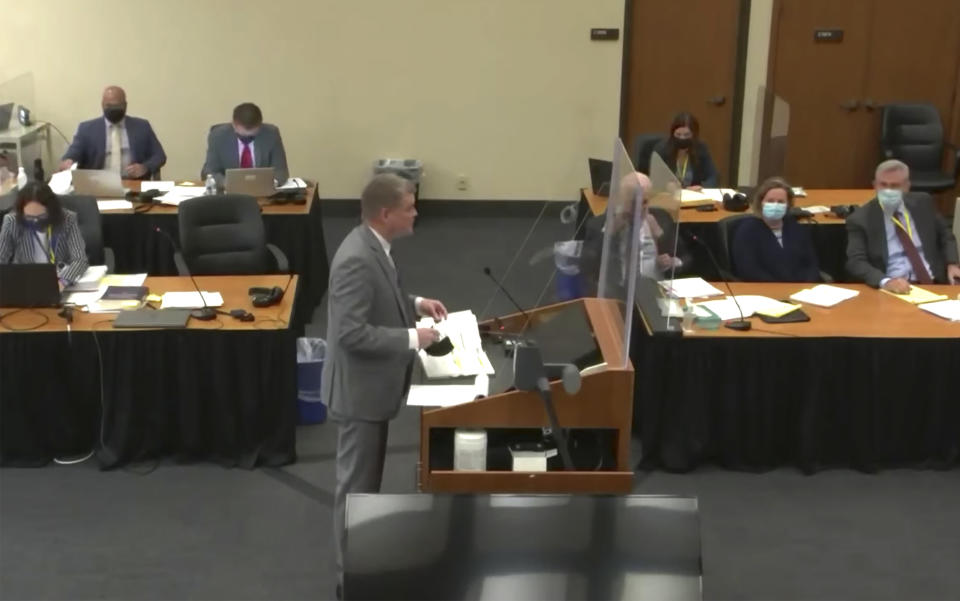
<point>204,532</point>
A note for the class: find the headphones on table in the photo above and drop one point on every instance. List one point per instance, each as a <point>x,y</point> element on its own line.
<point>736,202</point>
<point>265,297</point>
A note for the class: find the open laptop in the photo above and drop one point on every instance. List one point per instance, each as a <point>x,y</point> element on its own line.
<point>600,173</point>
<point>6,111</point>
<point>99,183</point>
<point>29,285</point>
<point>253,182</point>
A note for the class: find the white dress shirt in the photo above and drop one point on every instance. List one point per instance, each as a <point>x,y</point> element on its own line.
<point>414,339</point>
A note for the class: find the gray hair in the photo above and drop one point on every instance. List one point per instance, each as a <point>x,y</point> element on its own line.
<point>384,191</point>
<point>891,165</point>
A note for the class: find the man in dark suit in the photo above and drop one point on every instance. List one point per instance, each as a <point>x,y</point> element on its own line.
<point>116,141</point>
<point>898,238</point>
<point>371,340</point>
<point>246,143</point>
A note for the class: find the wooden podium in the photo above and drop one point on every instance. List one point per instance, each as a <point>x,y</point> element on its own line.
<point>605,401</point>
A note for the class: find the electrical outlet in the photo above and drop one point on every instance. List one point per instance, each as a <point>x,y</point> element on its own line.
<point>463,182</point>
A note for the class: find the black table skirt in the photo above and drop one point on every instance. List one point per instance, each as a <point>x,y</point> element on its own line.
<point>139,249</point>
<point>223,396</point>
<point>758,404</point>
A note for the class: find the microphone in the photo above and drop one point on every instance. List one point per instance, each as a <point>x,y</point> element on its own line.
<point>489,274</point>
<point>206,313</point>
<point>741,325</point>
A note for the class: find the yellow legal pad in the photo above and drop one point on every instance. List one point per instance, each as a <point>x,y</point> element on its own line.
<point>917,295</point>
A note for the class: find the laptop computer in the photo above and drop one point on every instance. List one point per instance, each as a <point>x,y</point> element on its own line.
<point>29,285</point>
<point>99,183</point>
<point>153,318</point>
<point>253,182</point>
<point>6,111</point>
<point>600,173</point>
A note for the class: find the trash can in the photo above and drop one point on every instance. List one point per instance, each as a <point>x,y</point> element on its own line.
<point>566,256</point>
<point>310,355</point>
<point>411,169</point>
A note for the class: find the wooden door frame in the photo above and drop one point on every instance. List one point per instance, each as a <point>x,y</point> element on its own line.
<point>739,79</point>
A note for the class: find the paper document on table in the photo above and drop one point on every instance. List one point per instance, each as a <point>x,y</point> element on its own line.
<point>690,288</point>
<point>918,295</point>
<point>467,357</point>
<point>90,280</point>
<point>294,183</point>
<point>716,194</point>
<point>162,186</point>
<point>190,300</point>
<point>178,194</point>
<point>824,295</point>
<point>725,309</point>
<point>447,395</point>
<point>123,279</point>
<point>816,209</point>
<point>693,197</point>
<point>749,304</point>
<point>61,182</point>
<point>82,299</point>
<point>114,205</point>
<point>947,309</point>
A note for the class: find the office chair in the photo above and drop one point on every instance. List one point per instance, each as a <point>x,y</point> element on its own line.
<point>643,146</point>
<point>224,235</point>
<point>728,229</point>
<point>91,228</point>
<point>913,133</point>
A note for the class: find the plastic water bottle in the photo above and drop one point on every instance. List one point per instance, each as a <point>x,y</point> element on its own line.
<point>21,178</point>
<point>211,185</point>
<point>686,323</point>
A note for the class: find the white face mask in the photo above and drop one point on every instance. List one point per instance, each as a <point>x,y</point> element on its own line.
<point>890,199</point>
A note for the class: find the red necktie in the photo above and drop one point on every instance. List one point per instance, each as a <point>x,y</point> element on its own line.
<point>913,255</point>
<point>246,158</point>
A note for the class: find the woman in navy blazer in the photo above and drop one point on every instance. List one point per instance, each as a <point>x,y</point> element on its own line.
<point>773,248</point>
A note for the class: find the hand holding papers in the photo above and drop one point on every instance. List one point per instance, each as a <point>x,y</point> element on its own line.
<point>467,357</point>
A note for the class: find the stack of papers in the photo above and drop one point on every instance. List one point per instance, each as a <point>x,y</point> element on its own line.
<point>162,186</point>
<point>816,209</point>
<point>918,295</point>
<point>190,300</point>
<point>178,194</point>
<point>947,309</point>
<point>61,182</point>
<point>90,297</point>
<point>714,194</point>
<point>114,205</point>
<point>824,295</point>
<point>689,288</point>
<point>467,358</point>
<point>89,281</point>
<point>751,304</point>
<point>294,183</point>
<point>448,395</point>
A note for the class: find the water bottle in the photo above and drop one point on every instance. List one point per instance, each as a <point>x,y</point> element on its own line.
<point>211,185</point>
<point>688,318</point>
<point>21,178</point>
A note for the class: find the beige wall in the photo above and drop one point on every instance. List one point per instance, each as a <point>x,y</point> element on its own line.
<point>510,93</point>
<point>758,52</point>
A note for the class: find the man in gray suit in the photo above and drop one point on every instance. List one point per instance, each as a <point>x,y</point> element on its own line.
<point>246,143</point>
<point>898,238</point>
<point>371,340</point>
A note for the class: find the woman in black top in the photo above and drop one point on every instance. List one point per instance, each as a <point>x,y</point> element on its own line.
<point>686,155</point>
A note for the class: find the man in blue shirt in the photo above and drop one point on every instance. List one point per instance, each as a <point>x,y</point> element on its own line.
<point>898,238</point>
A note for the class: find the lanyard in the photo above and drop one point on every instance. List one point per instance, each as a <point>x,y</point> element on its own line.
<point>682,170</point>
<point>48,250</point>
<point>909,228</point>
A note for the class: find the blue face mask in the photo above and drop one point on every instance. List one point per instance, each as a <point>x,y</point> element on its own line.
<point>36,222</point>
<point>890,199</point>
<point>774,210</point>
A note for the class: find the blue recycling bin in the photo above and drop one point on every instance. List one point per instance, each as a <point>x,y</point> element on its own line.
<point>310,355</point>
<point>566,257</point>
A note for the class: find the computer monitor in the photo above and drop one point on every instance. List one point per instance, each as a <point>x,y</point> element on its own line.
<point>600,173</point>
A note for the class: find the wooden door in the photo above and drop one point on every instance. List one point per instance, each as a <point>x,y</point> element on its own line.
<point>823,83</point>
<point>682,55</point>
<point>914,57</point>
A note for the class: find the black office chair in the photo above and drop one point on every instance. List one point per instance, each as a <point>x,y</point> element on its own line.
<point>643,146</point>
<point>91,228</point>
<point>728,229</point>
<point>913,133</point>
<point>224,235</point>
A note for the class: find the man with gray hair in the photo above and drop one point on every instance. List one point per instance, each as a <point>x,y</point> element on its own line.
<point>898,238</point>
<point>371,341</point>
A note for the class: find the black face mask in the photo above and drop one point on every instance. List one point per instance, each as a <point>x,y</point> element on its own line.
<point>36,222</point>
<point>683,143</point>
<point>114,114</point>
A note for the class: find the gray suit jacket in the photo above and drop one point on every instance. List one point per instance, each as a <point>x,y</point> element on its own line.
<point>223,154</point>
<point>17,245</point>
<point>367,368</point>
<point>867,239</point>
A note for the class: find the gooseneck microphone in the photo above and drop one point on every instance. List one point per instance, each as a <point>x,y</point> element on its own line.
<point>489,274</point>
<point>206,313</point>
<point>741,325</point>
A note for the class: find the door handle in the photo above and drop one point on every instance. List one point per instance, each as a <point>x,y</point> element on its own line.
<point>869,104</point>
<point>850,105</point>
<point>717,100</point>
